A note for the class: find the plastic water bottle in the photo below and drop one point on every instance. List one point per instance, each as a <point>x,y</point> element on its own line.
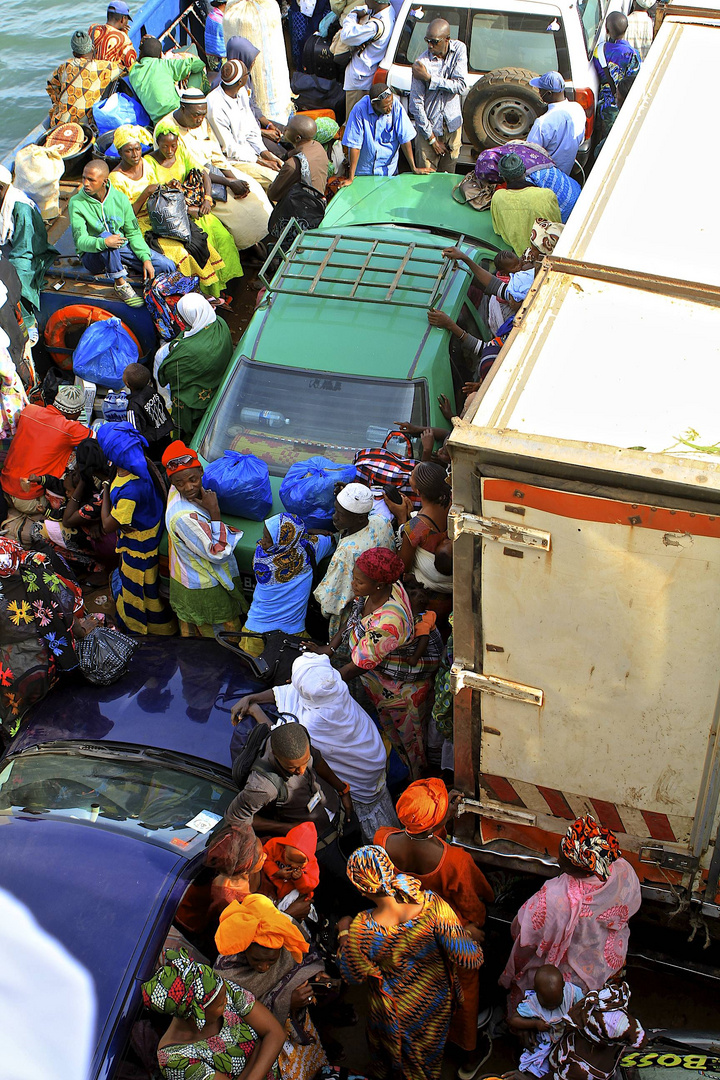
<point>263,416</point>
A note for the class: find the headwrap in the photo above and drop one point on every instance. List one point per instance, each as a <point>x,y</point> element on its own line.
<point>356,498</point>
<point>182,987</point>
<point>234,70</point>
<point>81,44</point>
<point>289,554</point>
<point>12,556</point>
<point>193,95</point>
<point>174,453</point>
<point>69,399</point>
<point>543,237</point>
<point>12,196</point>
<point>89,459</point>
<point>234,852</point>
<point>165,127</point>
<point>532,156</point>
<point>511,167</point>
<point>257,921</point>
<point>196,312</point>
<point>239,48</point>
<point>423,806</point>
<point>371,871</point>
<point>327,129</point>
<point>381,565</point>
<point>304,838</point>
<point>123,445</point>
<point>598,1027</point>
<point>128,133</point>
<point>590,846</point>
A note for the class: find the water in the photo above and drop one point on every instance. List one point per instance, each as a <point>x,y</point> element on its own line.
<point>34,39</point>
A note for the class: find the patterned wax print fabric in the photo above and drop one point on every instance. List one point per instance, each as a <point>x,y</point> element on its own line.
<point>161,299</point>
<point>38,600</point>
<point>442,710</point>
<point>284,575</point>
<point>334,592</point>
<point>400,692</point>
<point>111,43</point>
<point>182,987</point>
<point>613,61</point>
<point>590,846</point>
<point>13,398</point>
<point>77,85</point>
<point>137,506</point>
<point>579,924</point>
<point>533,158</point>
<point>410,969</point>
<point>604,1023</point>
<point>566,190</point>
<point>226,1053</point>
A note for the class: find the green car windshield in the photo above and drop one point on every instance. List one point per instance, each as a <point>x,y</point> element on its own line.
<point>284,414</point>
<point>146,798</point>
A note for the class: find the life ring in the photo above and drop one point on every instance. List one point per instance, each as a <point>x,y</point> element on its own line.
<point>75,317</point>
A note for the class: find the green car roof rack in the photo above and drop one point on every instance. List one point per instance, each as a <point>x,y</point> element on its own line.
<point>343,266</point>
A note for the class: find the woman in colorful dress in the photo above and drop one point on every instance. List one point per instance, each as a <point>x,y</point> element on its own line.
<point>171,164</point>
<point>133,176</point>
<point>579,920</point>
<point>380,636</point>
<point>205,590</point>
<point>423,809</point>
<point>284,563</point>
<point>189,369</point>
<point>407,949</point>
<point>262,949</point>
<point>133,508</point>
<point>216,1027</point>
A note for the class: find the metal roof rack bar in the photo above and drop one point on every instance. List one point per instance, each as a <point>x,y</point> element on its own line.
<point>323,264</point>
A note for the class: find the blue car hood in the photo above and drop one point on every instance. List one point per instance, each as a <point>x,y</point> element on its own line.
<point>176,696</point>
<point>98,892</point>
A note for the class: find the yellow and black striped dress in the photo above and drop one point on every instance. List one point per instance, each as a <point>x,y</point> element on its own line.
<point>138,508</point>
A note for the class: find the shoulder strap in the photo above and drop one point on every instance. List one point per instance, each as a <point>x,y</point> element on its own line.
<point>277,781</point>
<point>606,68</point>
<point>304,169</point>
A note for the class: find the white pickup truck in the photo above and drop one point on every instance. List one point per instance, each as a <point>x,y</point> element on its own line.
<point>586,523</point>
<point>508,43</point>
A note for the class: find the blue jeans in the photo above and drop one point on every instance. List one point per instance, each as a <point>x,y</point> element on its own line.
<point>115,262</point>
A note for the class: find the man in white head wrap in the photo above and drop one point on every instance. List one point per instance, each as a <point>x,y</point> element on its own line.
<point>340,729</point>
<point>359,531</point>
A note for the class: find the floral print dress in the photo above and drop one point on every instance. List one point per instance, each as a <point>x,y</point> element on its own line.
<point>227,1052</point>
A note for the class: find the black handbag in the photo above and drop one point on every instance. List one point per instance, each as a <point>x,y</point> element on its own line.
<point>168,214</point>
<point>105,655</point>
<point>274,665</point>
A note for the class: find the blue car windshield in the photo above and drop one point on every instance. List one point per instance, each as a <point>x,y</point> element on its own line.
<point>284,414</point>
<point>145,798</point>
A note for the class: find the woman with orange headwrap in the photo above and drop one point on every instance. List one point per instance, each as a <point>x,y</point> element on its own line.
<point>423,809</point>
<point>264,951</point>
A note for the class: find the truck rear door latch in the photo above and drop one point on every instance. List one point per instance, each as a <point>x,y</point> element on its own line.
<point>461,677</point>
<point>669,860</point>
<point>504,532</point>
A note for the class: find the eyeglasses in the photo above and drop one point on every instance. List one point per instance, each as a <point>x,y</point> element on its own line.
<point>176,462</point>
<point>385,93</point>
<point>434,40</point>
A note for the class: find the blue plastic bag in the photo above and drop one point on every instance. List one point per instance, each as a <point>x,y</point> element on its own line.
<point>119,109</point>
<point>103,352</point>
<point>308,490</point>
<point>242,485</point>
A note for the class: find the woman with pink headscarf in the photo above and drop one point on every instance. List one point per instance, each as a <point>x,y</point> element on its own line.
<point>579,920</point>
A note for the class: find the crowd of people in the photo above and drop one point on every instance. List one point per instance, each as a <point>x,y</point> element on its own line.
<point>334,865</point>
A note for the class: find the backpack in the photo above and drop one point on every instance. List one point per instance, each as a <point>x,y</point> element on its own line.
<point>302,202</point>
<point>247,746</point>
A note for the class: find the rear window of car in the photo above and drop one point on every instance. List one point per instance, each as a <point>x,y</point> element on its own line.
<point>412,39</point>
<point>504,39</point>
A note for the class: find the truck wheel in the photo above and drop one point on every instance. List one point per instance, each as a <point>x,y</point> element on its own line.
<point>501,106</point>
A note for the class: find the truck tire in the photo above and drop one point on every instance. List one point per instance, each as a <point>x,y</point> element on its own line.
<point>501,106</point>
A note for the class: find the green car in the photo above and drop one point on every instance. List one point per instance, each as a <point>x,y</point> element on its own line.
<point>340,351</point>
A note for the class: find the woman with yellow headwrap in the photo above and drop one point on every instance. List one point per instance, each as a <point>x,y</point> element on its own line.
<point>451,872</point>
<point>136,178</point>
<point>264,950</point>
<point>407,949</point>
<point>216,1027</point>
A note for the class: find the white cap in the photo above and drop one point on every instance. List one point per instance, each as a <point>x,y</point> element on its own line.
<point>356,498</point>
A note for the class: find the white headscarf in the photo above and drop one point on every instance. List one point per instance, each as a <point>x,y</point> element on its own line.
<point>343,732</point>
<point>196,311</point>
<point>13,195</point>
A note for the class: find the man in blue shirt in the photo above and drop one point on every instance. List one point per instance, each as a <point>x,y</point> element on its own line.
<point>561,130</point>
<point>377,128</point>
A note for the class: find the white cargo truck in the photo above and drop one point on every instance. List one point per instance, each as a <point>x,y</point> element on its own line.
<point>586,519</point>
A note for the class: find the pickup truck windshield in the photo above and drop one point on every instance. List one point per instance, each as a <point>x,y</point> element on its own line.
<point>285,415</point>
